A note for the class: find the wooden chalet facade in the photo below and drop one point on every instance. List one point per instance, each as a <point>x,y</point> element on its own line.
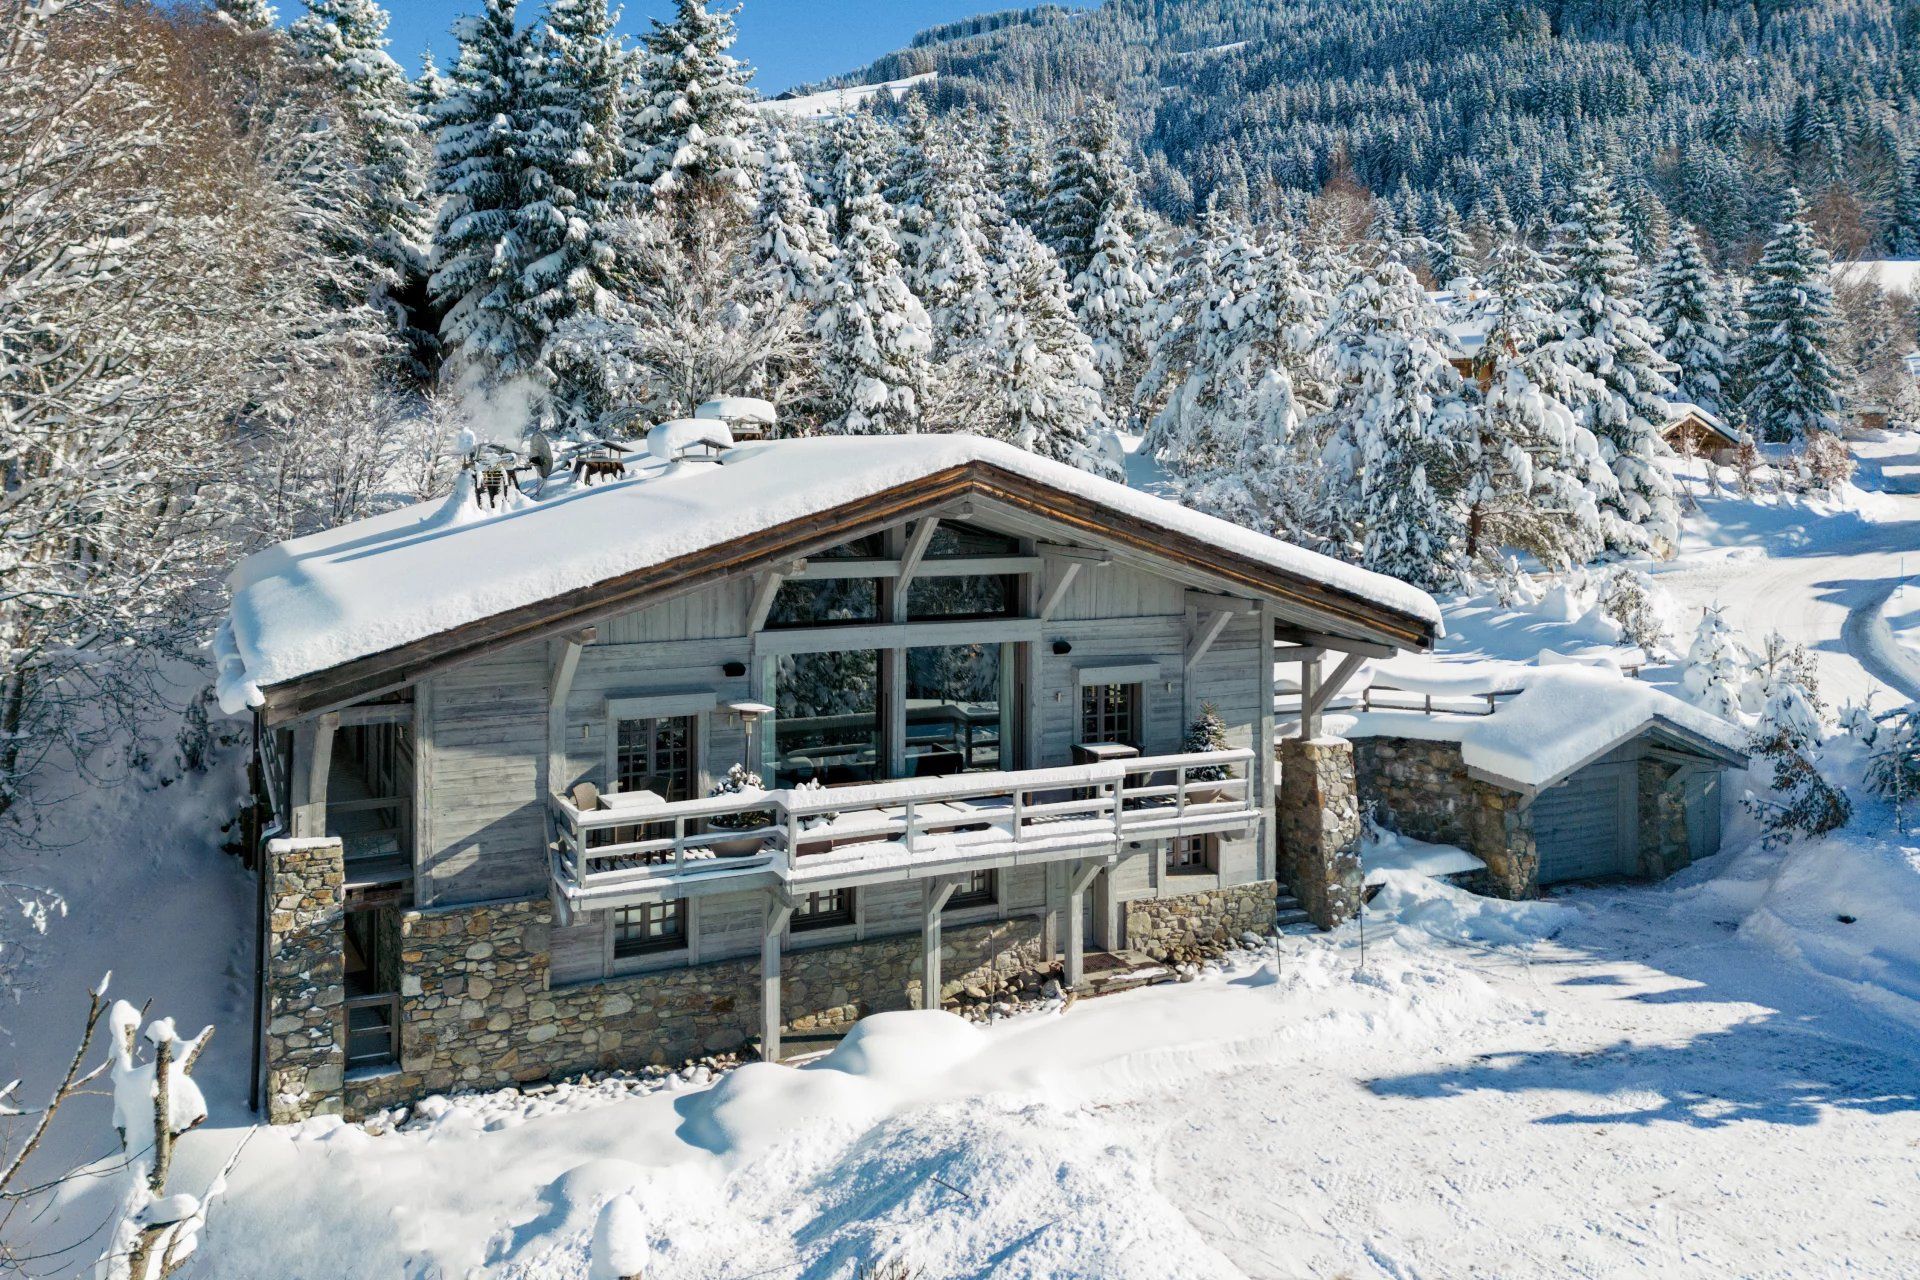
<point>962,675</point>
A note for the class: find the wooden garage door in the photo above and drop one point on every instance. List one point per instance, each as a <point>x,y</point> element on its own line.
<point>1582,826</point>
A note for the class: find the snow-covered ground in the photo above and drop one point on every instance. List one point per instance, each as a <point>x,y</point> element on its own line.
<point>833,103</point>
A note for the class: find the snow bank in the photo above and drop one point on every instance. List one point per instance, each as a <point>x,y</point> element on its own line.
<point>1411,900</point>
<point>313,603</point>
<point>1389,853</point>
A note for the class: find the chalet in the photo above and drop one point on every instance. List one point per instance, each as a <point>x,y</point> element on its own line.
<point>1689,428</point>
<point>745,741</point>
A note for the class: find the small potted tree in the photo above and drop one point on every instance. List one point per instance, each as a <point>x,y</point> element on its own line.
<point>739,782</point>
<point>1208,732</point>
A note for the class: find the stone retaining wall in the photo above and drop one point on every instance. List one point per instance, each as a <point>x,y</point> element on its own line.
<point>1191,925</point>
<point>1422,789</point>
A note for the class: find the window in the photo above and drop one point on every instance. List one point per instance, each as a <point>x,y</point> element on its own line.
<point>820,602</point>
<point>1190,855</point>
<point>954,540</point>
<point>1110,713</point>
<point>964,596</point>
<point>655,755</point>
<point>980,889</point>
<point>822,910</point>
<point>829,719</point>
<point>956,709</point>
<point>649,927</point>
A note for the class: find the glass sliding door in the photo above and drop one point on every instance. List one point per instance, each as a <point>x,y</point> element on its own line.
<point>829,722</point>
<point>958,710</point>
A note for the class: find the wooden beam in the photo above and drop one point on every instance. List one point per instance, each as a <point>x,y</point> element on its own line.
<point>895,635</point>
<point>779,911</point>
<point>312,762</point>
<point>1059,580</point>
<point>957,567</point>
<point>559,687</point>
<point>765,587</point>
<point>1086,555</point>
<point>1331,687</point>
<point>1233,606</point>
<point>1309,701</point>
<point>916,549</point>
<point>376,713</point>
<point>1340,644</point>
<point>938,890</point>
<point>1297,653</point>
<point>1201,636</point>
<point>1078,879</point>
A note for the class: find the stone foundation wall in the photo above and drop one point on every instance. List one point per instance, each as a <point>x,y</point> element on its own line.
<point>1664,846</point>
<point>1190,925</point>
<point>1319,821</point>
<point>1422,789</point>
<point>478,1009</point>
<point>306,981</point>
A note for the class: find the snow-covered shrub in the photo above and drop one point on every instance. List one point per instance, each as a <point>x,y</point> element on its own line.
<point>1788,736</point>
<point>739,781</point>
<point>1208,732</point>
<point>1630,598</point>
<point>1748,462</point>
<point>1894,768</point>
<point>1781,659</point>
<point>620,1248</point>
<point>1825,462</point>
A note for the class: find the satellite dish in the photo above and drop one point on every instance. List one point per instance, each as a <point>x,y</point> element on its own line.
<point>540,453</point>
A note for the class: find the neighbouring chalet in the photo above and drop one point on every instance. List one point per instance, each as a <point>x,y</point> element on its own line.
<point>708,743</point>
<point>1691,429</point>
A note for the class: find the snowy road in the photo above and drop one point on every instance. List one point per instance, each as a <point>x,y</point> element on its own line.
<point>1819,582</point>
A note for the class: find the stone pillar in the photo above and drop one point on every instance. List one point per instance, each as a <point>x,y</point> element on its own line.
<point>1320,828</point>
<point>1502,837</point>
<point>306,980</point>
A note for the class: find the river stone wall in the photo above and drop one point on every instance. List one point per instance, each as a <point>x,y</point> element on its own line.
<point>1319,819</point>
<point>1422,789</point>
<point>1193,926</point>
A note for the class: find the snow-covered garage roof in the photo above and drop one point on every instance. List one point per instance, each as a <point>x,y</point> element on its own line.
<point>1562,718</point>
<point>368,588</point>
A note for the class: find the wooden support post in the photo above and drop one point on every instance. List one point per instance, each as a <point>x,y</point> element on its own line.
<point>779,910</point>
<point>312,761</point>
<point>938,891</point>
<point>559,687</point>
<point>1060,578</point>
<point>1310,699</point>
<point>1077,881</point>
<point>1330,689</point>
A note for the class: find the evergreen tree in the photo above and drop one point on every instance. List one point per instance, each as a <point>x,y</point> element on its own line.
<point>794,242</point>
<point>247,15</point>
<point>692,110</point>
<point>571,158</point>
<point>1791,384</point>
<point>875,335</point>
<point>478,251</point>
<point>1788,735</point>
<point>1607,338</point>
<point>1044,386</point>
<point>1717,667</point>
<point>429,88</point>
<point>1089,178</point>
<point>1112,297</point>
<point>1174,327</point>
<point>1449,249</point>
<point>1017,173</point>
<point>1401,434</point>
<point>1685,304</point>
<point>1538,476</point>
<point>949,270</point>
<point>346,42</point>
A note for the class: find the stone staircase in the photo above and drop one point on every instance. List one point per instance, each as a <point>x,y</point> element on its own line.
<point>1288,915</point>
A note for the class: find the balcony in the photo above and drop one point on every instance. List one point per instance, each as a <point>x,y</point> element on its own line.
<point>625,850</point>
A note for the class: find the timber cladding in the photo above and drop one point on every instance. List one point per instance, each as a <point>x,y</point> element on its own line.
<point>767,549</point>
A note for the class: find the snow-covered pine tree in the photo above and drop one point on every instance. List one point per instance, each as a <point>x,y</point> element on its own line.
<point>1401,435</point>
<point>794,242</point>
<point>570,148</point>
<point>691,114</point>
<point>1113,298</point>
<point>948,269</point>
<point>248,15</point>
<point>426,92</point>
<point>1903,233</point>
<point>1717,667</point>
<point>1538,476</point>
<point>1088,178</point>
<point>1788,734</point>
<point>1173,326</point>
<point>1791,384</point>
<point>478,251</point>
<point>1449,248</point>
<point>1045,391</point>
<point>346,42</point>
<point>1018,175</point>
<point>1606,337</point>
<point>875,335</point>
<point>1206,732</point>
<point>1685,303</point>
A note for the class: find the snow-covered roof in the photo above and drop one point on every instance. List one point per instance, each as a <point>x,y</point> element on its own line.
<point>1562,718</point>
<point>315,603</point>
<point>1461,320</point>
<point>1679,410</point>
<point>738,409</point>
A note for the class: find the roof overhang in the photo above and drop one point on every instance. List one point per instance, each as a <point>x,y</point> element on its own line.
<point>1658,730</point>
<point>1297,599</point>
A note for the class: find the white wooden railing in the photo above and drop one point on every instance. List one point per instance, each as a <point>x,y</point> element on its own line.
<point>976,817</point>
